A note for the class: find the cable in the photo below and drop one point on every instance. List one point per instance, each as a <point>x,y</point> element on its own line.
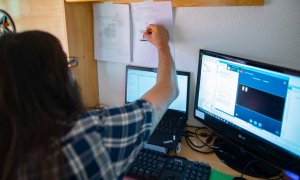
<point>203,152</point>
<point>209,139</point>
<point>187,132</point>
<point>199,136</point>
<point>194,145</point>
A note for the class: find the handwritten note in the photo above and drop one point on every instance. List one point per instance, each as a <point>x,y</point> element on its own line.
<point>143,14</point>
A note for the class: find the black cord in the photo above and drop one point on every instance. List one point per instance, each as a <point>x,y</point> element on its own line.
<point>208,140</point>
<point>198,135</point>
<point>187,132</point>
<point>199,151</point>
<point>195,145</point>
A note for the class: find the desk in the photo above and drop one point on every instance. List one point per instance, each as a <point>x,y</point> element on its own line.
<point>211,159</point>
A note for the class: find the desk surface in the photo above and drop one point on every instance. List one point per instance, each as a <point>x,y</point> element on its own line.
<point>210,159</point>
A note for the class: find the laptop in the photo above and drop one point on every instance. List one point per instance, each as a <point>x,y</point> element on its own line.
<point>167,133</point>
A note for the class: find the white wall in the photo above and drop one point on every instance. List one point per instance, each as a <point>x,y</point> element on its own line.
<point>269,33</point>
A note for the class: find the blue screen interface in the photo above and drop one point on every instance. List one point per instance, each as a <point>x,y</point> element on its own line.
<point>263,102</point>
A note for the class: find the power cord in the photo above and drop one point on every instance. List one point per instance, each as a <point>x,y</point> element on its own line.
<point>198,135</point>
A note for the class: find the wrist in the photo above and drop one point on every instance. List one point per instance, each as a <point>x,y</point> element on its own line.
<point>163,48</point>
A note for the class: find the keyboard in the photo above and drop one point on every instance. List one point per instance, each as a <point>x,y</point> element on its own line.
<point>170,125</point>
<point>150,164</point>
<point>168,131</point>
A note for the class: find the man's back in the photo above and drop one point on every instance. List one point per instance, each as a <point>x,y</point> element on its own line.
<point>101,144</point>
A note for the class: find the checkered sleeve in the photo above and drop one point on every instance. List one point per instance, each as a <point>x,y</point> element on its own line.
<point>104,142</point>
<point>124,130</point>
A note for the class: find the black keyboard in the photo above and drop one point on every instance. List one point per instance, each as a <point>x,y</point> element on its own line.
<point>168,131</point>
<point>150,164</point>
<point>170,125</point>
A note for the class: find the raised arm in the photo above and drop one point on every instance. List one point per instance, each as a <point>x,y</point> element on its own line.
<point>165,90</point>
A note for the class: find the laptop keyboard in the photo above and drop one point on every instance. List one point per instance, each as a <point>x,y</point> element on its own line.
<point>150,164</point>
<point>170,124</point>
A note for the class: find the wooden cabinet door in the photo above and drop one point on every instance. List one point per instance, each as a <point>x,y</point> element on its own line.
<point>80,28</point>
<point>38,14</point>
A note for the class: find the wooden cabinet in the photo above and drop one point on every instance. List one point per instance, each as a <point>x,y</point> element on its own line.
<point>72,24</point>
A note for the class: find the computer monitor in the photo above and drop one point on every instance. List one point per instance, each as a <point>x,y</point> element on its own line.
<point>141,79</point>
<point>254,108</point>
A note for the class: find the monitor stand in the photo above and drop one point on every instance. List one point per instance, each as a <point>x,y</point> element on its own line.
<point>242,161</point>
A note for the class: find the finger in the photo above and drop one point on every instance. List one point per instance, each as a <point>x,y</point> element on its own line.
<point>147,35</point>
<point>151,28</point>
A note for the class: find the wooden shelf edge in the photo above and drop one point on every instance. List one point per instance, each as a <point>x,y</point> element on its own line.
<point>188,3</point>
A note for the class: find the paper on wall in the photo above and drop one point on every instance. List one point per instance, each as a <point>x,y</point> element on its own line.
<point>112,32</point>
<point>143,14</point>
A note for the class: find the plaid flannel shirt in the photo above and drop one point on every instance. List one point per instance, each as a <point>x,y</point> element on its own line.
<point>103,143</point>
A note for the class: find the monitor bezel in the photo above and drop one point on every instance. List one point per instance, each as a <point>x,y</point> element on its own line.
<point>236,136</point>
<point>151,69</point>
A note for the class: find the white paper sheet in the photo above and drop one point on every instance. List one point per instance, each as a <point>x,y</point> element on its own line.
<point>112,32</point>
<point>143,14</point>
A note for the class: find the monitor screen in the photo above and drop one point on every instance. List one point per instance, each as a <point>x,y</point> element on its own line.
<point>251,104</point>
<point>141,79</point>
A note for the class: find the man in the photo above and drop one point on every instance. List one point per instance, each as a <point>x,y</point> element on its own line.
<point>46,133</point>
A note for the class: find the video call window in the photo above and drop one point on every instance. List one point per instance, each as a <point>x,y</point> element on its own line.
<point>258,102</point>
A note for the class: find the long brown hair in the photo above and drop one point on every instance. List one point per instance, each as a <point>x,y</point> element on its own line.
<point>37,96</point>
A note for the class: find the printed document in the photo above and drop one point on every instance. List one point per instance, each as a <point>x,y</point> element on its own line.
<point>119,39</point>
<point>143,14</point>
<point>112,32</point>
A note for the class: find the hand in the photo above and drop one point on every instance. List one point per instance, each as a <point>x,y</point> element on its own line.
<point>158,36</point>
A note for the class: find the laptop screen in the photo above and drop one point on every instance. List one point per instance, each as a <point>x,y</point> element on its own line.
<point>140,79</point>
